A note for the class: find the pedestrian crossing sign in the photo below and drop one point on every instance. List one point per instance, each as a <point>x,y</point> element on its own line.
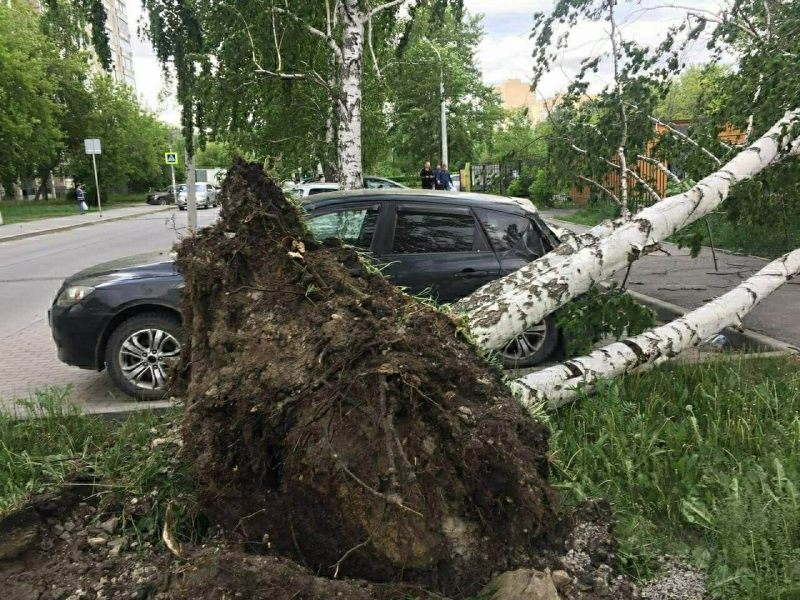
<point>171,158</point>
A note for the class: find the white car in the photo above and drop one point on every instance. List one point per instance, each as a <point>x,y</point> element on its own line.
<point>205,196</point>
<point>304,190</point>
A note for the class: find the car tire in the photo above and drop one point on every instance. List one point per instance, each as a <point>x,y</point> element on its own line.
<point>162,201</point>
<point>181,208</point>
<point>531,348</point>
<point>158,337</point>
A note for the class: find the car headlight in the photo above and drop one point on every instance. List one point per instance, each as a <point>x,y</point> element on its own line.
<point>73,294</point>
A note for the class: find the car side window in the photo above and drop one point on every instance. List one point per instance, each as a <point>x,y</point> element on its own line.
<point>209,188</point>
<point>426,232</point>
<point>355,226</point>
<point>313,191</point>
<point>374,184</point>
<point>504,230</point>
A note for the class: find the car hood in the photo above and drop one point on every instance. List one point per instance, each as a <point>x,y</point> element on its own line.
<point>152,264</point>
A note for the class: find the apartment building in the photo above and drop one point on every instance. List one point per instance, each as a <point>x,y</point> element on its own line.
<point>515,93</point>
<point>119,33</point>
<point>119,37</point>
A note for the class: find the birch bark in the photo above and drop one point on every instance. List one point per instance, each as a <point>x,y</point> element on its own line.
<point>560,384</point>
<point>348,104</point>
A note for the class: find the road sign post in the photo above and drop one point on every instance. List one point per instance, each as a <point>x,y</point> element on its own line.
<point>92,147</point>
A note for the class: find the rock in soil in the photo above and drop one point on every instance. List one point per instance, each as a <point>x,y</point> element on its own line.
<point>522,584</point>
<point>341,422</point>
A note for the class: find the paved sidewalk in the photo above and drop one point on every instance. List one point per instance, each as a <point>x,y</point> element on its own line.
<point>691,282</point>
<point>55,224</point>
<point>29,363</point>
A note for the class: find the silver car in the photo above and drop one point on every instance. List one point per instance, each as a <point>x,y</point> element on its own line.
<point>205,195</point>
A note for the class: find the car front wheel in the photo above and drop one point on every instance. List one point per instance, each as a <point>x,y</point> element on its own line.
<point>531,347</point>
<point>142,352</point>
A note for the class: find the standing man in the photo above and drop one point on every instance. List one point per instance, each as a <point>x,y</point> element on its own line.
<point>427,176</point>
<point>443,179</point>
<point>80,195</point>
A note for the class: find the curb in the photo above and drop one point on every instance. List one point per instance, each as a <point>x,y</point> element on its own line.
<point>666,311</point>
<point>30,234</point>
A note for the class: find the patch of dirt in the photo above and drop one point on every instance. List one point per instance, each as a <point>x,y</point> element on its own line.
<point>342,423</point>
<point>68,561</point>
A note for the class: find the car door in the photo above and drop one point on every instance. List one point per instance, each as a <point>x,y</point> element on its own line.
<point>515,238</point>
<point>212,194</point>
<point>439,249</point>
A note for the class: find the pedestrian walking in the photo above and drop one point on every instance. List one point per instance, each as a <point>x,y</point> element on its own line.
<point>427,176</point>
<point>443,179</point>
<point>81,196</point>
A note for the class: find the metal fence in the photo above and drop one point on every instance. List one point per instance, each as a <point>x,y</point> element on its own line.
<point>493,177</point>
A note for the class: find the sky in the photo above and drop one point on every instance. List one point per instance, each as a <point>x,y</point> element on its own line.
<point>505,52</point>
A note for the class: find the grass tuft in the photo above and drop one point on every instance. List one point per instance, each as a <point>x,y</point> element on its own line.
<point>136,465</point>
<point>699,461</point>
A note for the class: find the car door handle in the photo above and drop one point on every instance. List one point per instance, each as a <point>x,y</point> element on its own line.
<point>471,274</point>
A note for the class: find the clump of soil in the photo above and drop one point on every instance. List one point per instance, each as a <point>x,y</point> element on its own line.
<point>339,422</point>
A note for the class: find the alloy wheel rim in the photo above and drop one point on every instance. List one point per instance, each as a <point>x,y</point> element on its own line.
<point>146,356</point>
<point>526,344</point>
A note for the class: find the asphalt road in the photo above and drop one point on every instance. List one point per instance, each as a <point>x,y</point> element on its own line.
<point>31,271</point>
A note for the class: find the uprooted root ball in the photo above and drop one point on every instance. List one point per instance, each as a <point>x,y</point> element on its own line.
<point>338,421</point>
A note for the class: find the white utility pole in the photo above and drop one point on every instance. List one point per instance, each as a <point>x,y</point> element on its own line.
<point>97,186</point>
<point>444,107</point>
<point>191,195</point>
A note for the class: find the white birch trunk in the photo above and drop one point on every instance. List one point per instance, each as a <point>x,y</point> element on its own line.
<point>508,306</point>
<point>348,104</point>
<point>560,384</point>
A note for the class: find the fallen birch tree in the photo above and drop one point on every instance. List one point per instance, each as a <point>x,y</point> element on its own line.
<point>507,307</point>
<point>559,384</point>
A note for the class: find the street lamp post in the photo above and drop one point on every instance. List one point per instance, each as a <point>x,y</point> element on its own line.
<point>444,109</point>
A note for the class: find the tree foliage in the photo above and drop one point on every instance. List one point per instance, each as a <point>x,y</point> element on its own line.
<point>726,106</point>
<point>133,141</point>
<point>29,132</point>
<point>270,79</point>
<point>473,109</point>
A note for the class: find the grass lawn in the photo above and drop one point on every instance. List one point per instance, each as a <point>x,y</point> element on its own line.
<point>26,210</point>
<point>591,215</point>
<point>56,443</point>
<point>699,461</point>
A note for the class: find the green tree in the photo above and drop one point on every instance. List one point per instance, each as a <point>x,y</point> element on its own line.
<point>692,92</point>
<point>302,63</point>
<point>133,141</point>
<point>473,109</point>
<point>215,154</point>
<point>29,131</point>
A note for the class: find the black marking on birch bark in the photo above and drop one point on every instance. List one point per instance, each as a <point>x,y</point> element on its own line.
<point>641,355</point>
<point>574,369</point>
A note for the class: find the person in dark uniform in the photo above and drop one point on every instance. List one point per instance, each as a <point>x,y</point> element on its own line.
<point>427,176</point>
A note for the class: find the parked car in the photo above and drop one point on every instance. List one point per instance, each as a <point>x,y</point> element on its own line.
<point>304,190</point>
<point>165,196</point>
<point>124,315</point>
<point>205,196</point>
<point>456,182</point>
